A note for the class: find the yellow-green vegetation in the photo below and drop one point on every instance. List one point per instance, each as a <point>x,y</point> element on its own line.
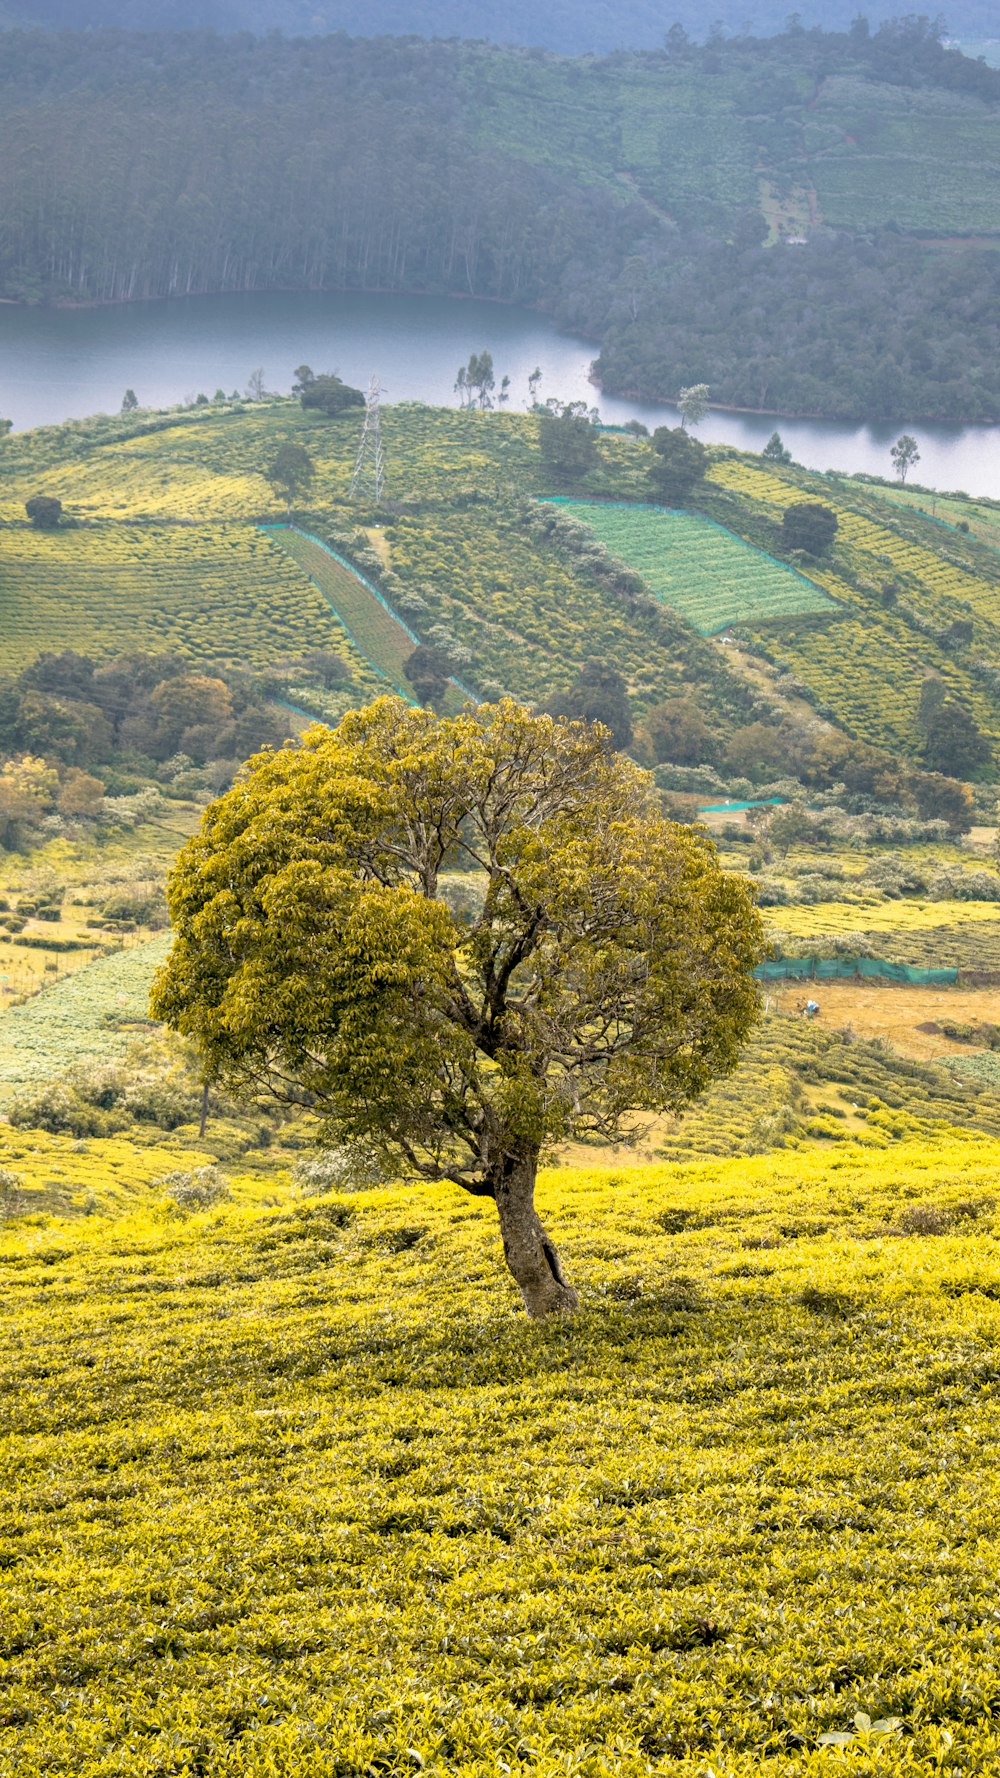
<point>982,517</point>
<point>201,591</point>
<point>711,577</point>
<point>290,1490</point>
<point>371,626</point>
<point>799,1084</point>
<point>464,553</point>
<point>67,903</point>
<point>901,583</point>
<point>89,1016</point>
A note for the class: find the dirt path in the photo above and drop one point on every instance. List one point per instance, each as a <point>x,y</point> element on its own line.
<point>896,1013</point>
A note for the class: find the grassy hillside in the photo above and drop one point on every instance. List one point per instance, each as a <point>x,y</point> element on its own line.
<point>290,1488</point>
<point>466,556</point>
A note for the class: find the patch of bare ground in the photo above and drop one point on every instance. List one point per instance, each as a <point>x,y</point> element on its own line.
<point>908,1018</point>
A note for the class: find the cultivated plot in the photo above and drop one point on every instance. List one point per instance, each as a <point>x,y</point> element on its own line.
<point>711,577</point>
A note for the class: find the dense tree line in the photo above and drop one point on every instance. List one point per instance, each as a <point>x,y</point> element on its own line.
<point>149,166</point>
<point>571,26</point>
<point>136,711</point>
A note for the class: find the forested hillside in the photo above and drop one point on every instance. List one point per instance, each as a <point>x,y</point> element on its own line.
<point>807,223</point>
<point>572,26</point>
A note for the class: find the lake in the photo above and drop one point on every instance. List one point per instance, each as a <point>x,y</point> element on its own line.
<point>57,364</point>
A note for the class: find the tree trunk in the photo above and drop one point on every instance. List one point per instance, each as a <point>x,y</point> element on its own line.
<point>529,1253</point>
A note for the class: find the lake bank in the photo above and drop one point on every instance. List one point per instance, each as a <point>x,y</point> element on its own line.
<point>61,363</point>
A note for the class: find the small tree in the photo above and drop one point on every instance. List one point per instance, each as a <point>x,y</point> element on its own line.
<point>692,405</point>
<point>939,798</point>
<point>44,511</point>
<point>475,381</point>
<point>428,670</point>
<point>953,743</point>
<point>291,472</point>
<point>679,734</point>
<point>567,440</point>
<point>599,694</point>
<point>327,394</point>
<point>679,463</point>
<point>904,454</point>
<point>609,969</point>
<point>130,401</point>
<point>255,385</point>
<point>809,526</point>
<point>774,451</point>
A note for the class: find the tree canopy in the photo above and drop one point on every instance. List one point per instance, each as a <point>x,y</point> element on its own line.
<point>608,970</point>
<point>678,465</point>
<point>808,525</point>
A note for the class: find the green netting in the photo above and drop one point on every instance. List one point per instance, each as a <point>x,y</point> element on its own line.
<point>767,802</point>
<point>820,969</point>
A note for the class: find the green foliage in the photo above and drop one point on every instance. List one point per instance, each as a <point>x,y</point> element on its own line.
<point>327,393</point>
<point>44,511</point>
<point>678,465</point>
<point>291,471</point>
<point>599,694</point>
<point>567,442</point>
<point>428,670</point>
<point>808,526</point>
<point>785,1383</point>
<point>609,968</point>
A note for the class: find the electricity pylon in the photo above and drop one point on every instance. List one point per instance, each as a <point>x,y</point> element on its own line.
<point>369,470</point>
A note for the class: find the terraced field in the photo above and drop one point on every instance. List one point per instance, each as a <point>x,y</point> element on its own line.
<point>699,569</point>
<point>85,1018</point>
<point>210,590</point>
<point>369,625</point>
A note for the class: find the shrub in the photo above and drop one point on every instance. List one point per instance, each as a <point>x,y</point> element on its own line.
<point>196,1190</point>
<point>10,1193</point>
<point>348,1167</point>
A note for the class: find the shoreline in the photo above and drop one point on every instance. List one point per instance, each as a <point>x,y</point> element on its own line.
<point>631,394</point>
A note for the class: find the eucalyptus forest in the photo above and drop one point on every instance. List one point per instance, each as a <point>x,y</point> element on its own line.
<point>807,223</point>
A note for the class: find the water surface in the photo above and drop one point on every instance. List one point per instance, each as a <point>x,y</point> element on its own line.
<point>58,364</point>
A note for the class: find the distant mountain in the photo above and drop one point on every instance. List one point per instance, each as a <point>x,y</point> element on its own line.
<point>572,26</point>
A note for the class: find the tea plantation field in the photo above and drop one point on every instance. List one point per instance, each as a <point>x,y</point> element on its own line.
<point>711,577</point>
<point>206,591</point>
<point>290,1489</point>
<point>89,1017</point>
<point>462,554</point>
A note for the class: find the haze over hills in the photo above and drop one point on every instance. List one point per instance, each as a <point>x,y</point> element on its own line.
<point>797,221</point>
<point>571,26</point>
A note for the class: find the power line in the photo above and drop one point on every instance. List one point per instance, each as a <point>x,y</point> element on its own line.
<point>369,470</point>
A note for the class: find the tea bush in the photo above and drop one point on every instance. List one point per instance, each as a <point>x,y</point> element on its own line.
<point>290,1490</point>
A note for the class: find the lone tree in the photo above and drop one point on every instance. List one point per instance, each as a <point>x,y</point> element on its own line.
<point>692,405</point>
<point>679,462</point>
<point>567,440</point>
<point>904,453</point>
<point>808,525</point>
<point>290,472</point>
<point>428,669</point>
<point>609,970</point>
<point>44,511</point>
<point>326,394</point>
<point>775,450</point>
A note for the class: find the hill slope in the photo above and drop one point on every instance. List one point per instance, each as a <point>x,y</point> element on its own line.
<point>514,589</point>
<point>289,1487</point>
